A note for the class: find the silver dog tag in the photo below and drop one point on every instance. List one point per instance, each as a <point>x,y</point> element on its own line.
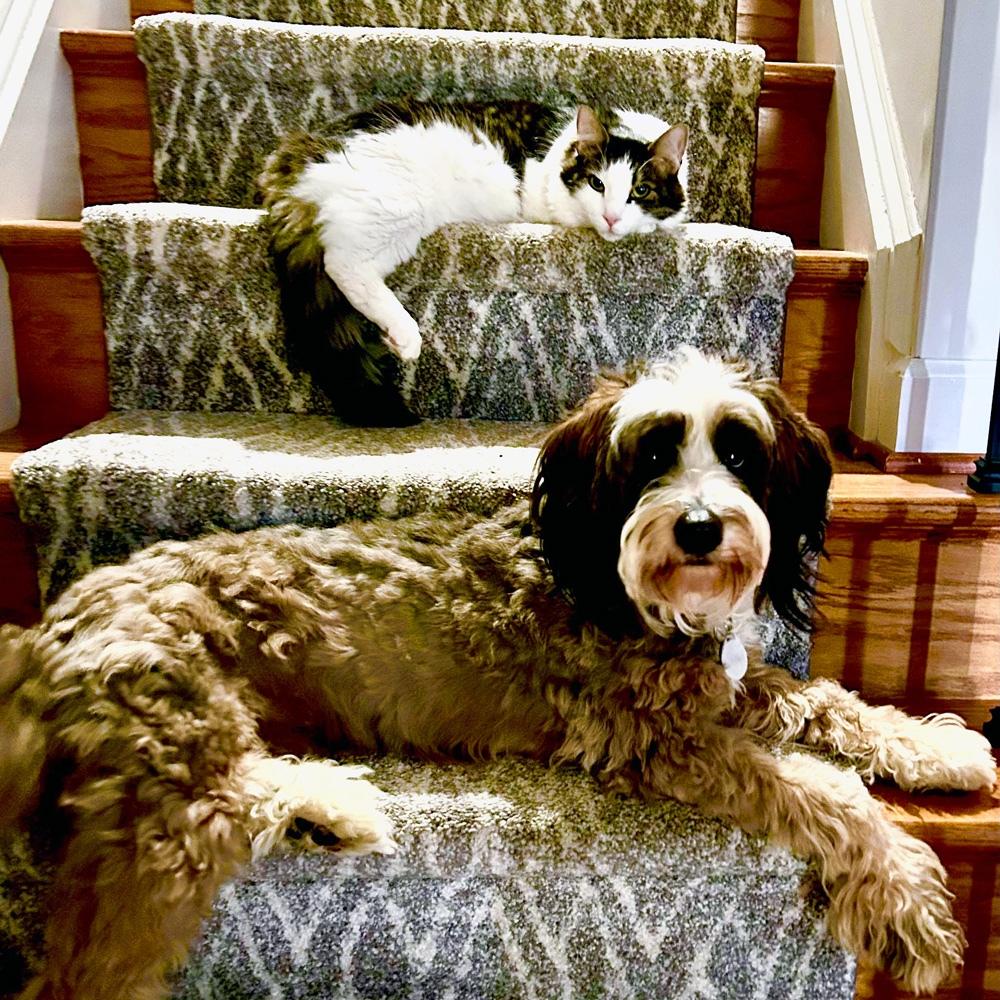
<point>734,658</point>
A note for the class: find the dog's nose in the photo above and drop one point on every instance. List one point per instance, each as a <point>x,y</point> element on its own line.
<point>698,531</point>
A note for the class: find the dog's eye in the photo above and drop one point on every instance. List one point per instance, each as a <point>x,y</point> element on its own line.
<point>641,190</point>
<point>733,460</point>
<point>595,182</point>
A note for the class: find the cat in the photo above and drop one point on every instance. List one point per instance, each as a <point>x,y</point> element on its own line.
<point>347,208</point>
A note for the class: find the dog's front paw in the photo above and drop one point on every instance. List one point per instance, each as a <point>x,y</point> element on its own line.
<point>404,338</point>
<point>920,963</point>
<point>900,915</point>
<point>348,807</point>
<point>939,752</point>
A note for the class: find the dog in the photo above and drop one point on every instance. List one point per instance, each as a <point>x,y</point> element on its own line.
<point>608,622</point>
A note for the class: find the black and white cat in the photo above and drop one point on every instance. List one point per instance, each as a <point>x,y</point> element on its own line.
<point>348,208</point>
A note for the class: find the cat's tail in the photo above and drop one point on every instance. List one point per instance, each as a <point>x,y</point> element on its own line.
<point>326,335</point>
<point>23,734</point>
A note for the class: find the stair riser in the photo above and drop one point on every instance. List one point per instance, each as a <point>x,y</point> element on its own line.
<point>771,24</point>
<point>223,92</point>
<point>62,361</point>
<point>912,616</point>
<point>19,600</point>
<point>974,878</point>
<point>113,122</point>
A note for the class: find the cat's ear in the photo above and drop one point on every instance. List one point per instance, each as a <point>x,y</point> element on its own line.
<point>671,146</point>
<point>588,126</point>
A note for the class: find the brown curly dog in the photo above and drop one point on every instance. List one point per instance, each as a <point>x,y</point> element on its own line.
<point>611,624</point>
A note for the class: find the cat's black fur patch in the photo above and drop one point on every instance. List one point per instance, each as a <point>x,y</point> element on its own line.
<point>324,335</point>
<point>522,129</point>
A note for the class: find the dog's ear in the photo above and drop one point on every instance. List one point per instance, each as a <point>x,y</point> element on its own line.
<point>797,508</point>
<point>572,506</point>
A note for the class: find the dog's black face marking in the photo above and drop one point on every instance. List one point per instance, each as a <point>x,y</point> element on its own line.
<point>741,450</point>
<point>654,453</point>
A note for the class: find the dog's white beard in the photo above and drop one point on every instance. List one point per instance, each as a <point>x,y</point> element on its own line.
<point>669,590</point>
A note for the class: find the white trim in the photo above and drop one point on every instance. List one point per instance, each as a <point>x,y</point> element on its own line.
<point>880,142</point>
<point>20,33</point>
<point>868,203</point>
<point>944,404</point>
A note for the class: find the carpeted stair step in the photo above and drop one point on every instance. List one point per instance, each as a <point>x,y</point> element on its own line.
<point>597,18</point>
<point>62,358</point>
<point>116,154</point>
<point>222,92</point>
<point>516,319</point>
<point>512,881</point>
<point>136,477</point>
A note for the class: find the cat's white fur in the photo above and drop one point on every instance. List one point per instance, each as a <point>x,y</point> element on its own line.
<point>383,192</point>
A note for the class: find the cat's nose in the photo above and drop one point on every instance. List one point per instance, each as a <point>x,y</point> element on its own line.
<point>611,219</point>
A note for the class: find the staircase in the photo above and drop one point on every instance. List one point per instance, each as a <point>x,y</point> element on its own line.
<point>909,600</point>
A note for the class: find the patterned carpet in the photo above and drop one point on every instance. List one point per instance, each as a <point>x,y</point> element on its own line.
<point>615,19</point>
<point>223,91</point>
<point>517,320</point>
<point>512,881</point>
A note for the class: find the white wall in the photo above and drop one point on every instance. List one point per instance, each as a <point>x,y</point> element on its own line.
<point>39,156</point>
<point>947,387</point>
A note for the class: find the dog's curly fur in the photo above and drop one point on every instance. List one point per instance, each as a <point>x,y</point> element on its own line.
<point>156,698</point>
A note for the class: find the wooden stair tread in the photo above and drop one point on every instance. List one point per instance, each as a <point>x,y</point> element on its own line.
<point>859,497</point>
<point>779,77</point>
<point>844,268</point>
<point>116,140</point>
<point>910,501</point>
<point>958,821</point>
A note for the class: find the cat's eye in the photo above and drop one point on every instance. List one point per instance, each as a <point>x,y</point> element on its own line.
<point>595,182</point>
<point>641,190</point>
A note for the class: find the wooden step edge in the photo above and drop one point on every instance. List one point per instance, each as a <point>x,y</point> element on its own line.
<point>42,241</point>
<point>780,78</point>
<point>140,8</point>
<point>906,504</point>
<point>948,821</point>
<point>818,272</point>
<point>97,43</point>
<point>42,244</point>
<point>14,443</point>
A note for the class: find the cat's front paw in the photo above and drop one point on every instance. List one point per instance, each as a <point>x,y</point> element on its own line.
<point>404,339</point>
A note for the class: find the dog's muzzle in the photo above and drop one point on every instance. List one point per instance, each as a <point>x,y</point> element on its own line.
<point>693,552</point>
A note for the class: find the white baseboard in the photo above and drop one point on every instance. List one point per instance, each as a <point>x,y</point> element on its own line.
<point>944,404</point>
